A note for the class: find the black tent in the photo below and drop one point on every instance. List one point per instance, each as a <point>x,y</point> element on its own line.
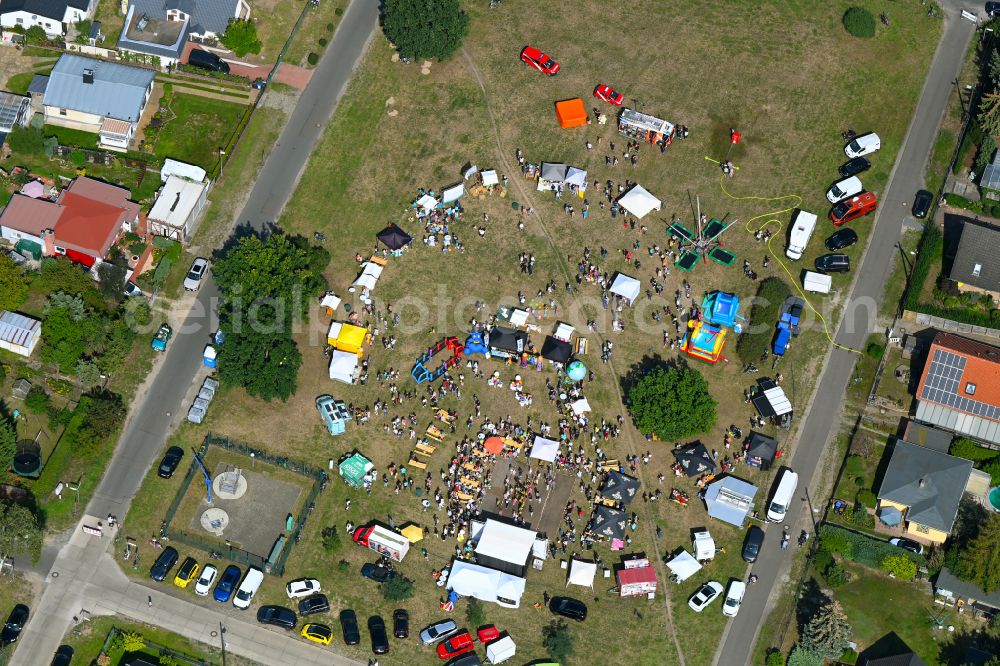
<point>556,350</point>
<point>761,450</point>
<point>620,487</point>
<point>695,459</point>
<point>506,341</point>
<point>393,237</point>
<point>771,402</point>
<point>609,522</point>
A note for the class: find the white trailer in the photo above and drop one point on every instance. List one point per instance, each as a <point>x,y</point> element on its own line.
<point>803,225</point>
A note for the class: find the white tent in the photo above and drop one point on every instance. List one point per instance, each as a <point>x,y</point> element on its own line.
<point>427,202</point>
<point>626,287</point>
<point>343,365</point>
<point>704,546</point>
<point>453,193</point>
<point>506,543</point>
<point>544,449</point>
<point>489,177</point>
<point>577,177</point>
<point>501,650</point>
<point>330,301</point>
<point>683,566</point>
<point>518,317</point>
<point>582,573</point>
<point>564,332</point>
<point>472,580</point>
<point>580,407</point>
<point>639,201</point>
<point>370,273</point>
<point>817,282</point>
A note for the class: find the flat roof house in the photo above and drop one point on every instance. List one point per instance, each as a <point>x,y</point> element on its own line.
<point>97,96</point>
<point>177,207</point>
<point>959,388</point>
<point>161,28</point>
<point>976,268</point>
<point>925,486</point>
<point>52,16</point>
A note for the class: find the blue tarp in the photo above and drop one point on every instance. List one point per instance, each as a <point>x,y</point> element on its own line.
<point>890,515</point>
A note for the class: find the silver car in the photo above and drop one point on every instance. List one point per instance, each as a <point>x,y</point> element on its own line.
<point>437,631</point>
<point>194,275</point>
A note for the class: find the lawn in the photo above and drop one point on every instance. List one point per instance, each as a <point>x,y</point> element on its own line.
<point>196,128</point>
<point>18,83</point>
<point>719,72</point>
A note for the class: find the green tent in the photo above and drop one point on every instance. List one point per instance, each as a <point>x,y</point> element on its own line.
<point>353,469</point>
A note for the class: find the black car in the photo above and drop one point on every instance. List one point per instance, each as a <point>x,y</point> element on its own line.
<point>15,623</point>
<point>317,603</point>
<point>833,263</point>
<point>63,657</point>
<point>993,9</point>
<point>349,625</point>
<point>569,607</point>
<point>921,204</point>
<point>377,573</point>
<point>164,563</point>
<point>467,659</point>
<point>842,239</point>
<point>854,167</point>
<point>170,461</point>
<point>400,623</point>
<point>279,616</point>
<point>752,543</point>
<point>380,641</point>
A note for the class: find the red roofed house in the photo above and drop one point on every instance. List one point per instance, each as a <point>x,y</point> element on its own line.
<point>83,223</point>
<point>959,389</point>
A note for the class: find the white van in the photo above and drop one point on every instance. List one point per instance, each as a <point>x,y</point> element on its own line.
<point>866,144</point>
<point>782,497</point>
<point>817,283</point>
<point>803,225</point>
<point>844,189</point>
<point>248,588</point>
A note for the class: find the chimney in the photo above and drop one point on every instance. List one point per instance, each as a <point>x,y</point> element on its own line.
<point>88,75</point>
<point>922,482</point>
<point>177,200</point>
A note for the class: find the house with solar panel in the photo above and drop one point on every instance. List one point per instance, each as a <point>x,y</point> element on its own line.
<point>91,95</point>
<point>975,268</point>
<point>959,388</point>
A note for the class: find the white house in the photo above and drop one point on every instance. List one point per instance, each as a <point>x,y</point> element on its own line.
<point>18,333</point>
<point>52,16</point>
<point>177,207</point>
<point>161,28</point>
<point>97,96</point>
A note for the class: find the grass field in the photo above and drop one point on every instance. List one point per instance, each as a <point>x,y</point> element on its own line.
<point>780,75</point>
<point>198,127</point>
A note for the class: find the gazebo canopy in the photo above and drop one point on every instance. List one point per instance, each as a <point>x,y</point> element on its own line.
<point>544,449</point>
<point>609,522</point>
<point>730,500</point>
<point>695,459</point>
<point>639,201</point>
<point>620,487</point>
<point>683,566</point>
<point>761,450</point>
<point>625,286</point>
<point>553,173</point>
<point>353,469</point>
<point>413,533</point>
<point>556,350</point>
<point>582,573</point>
<point>393,237</point>
<point>576,177</point>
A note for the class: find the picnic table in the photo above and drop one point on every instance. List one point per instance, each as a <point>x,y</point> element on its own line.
<point>417,463</point>
<point>434,433</point>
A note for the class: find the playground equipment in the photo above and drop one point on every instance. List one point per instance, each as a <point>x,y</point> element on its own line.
<point>476,343</point>
<point>576,371</point>
<point>704,244</point>
<point>704,341</point>
<point>421,374</point>
<point>27,458</point>
<point>723,309</point>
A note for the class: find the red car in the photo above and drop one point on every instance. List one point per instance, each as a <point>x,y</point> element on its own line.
<point>539,61</point>
<point>456,645</point>
<point>608,94</point>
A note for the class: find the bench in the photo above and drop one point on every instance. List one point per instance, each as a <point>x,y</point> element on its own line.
<point>417,463</point>
<point>465,497</point>
<point>608,465</point>
<point>426,449</point>
<point>434,433</point>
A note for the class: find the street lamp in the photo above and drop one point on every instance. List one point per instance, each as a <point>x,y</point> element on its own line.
<point>222,161</point>
<point>222,639</point>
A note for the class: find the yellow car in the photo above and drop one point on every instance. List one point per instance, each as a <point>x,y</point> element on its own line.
<point>187,573</point>
<point>317,633</point>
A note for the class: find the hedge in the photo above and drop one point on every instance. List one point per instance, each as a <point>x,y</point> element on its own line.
<point>859,22</point>
<point>931,248</point>
<point>757,336</point>
<point>968,449</point>
<point>863,549</point>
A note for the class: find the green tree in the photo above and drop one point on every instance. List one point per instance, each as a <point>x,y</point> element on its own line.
<point>557,640</point>
<point>775,658</point>
<point>989,114</point>
<point>37,400</point>
<point>801,656</point>
<point>475,614</point>
<point>8,441</point>
<point>26,141</point>
<point>111,281</point>
<point>64,335</point>
<point>13,284</point>
<point>132,642</point>
<point>88,373</point>
<point>859,22</point>
<point>241,38</point>
<point>20,532</point>
<point>331,539</point>
<point>672,402</point>
<point>61,274</point>
<point>266,365</point>
<point>827,633</point>
<point>397,588</point>
<point>425,28</point>
<point>979,562</point>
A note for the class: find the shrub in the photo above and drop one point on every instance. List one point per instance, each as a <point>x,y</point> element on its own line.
<point>993,469</point>
<point>322,41</point>
<point>241,37</point>
<point>821,560</point>
<point>756,338</point>
<point>397,588</point>
<point>104,659</point>
<point>37,400</point>
<point>336,12</point>
<point>775,658</point>
<point>331,27</point>
<point>899,566</point>
<point>836,542</point>
<point>78,158</point>
<point>875,350</point>
<point>836,575</point>
<point>558,640</point>
<point>312,58</point>
<point>964,447</point>
<point>26,140</point>
<point>331,539</point>
<point>803,657</point>
<point>859,516</point>
<point>859,22</point>
<point>475,613</point>
<point>862,549</point>
<point>866,498</point>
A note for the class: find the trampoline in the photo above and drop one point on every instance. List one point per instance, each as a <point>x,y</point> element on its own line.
<point>678,230</point>
<point>687,261</point>
<point>720,256</point>
<point>713,229</point>
<point>28,458</point>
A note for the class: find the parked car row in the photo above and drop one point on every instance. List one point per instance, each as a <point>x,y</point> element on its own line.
<point>224,589</point>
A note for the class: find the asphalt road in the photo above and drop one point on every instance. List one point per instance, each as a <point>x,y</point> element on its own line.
<point>822,419</point>
<point>69,584</point>
<point>164,407</point>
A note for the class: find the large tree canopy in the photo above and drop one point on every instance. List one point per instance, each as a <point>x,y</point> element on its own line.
<point>425,28</point>
<point>672,402</point>
<point>979,562</point>
<point>13,284</point>
<point>20,533</point>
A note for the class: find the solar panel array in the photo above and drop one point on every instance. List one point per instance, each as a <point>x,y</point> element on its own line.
<point>944,379</point>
